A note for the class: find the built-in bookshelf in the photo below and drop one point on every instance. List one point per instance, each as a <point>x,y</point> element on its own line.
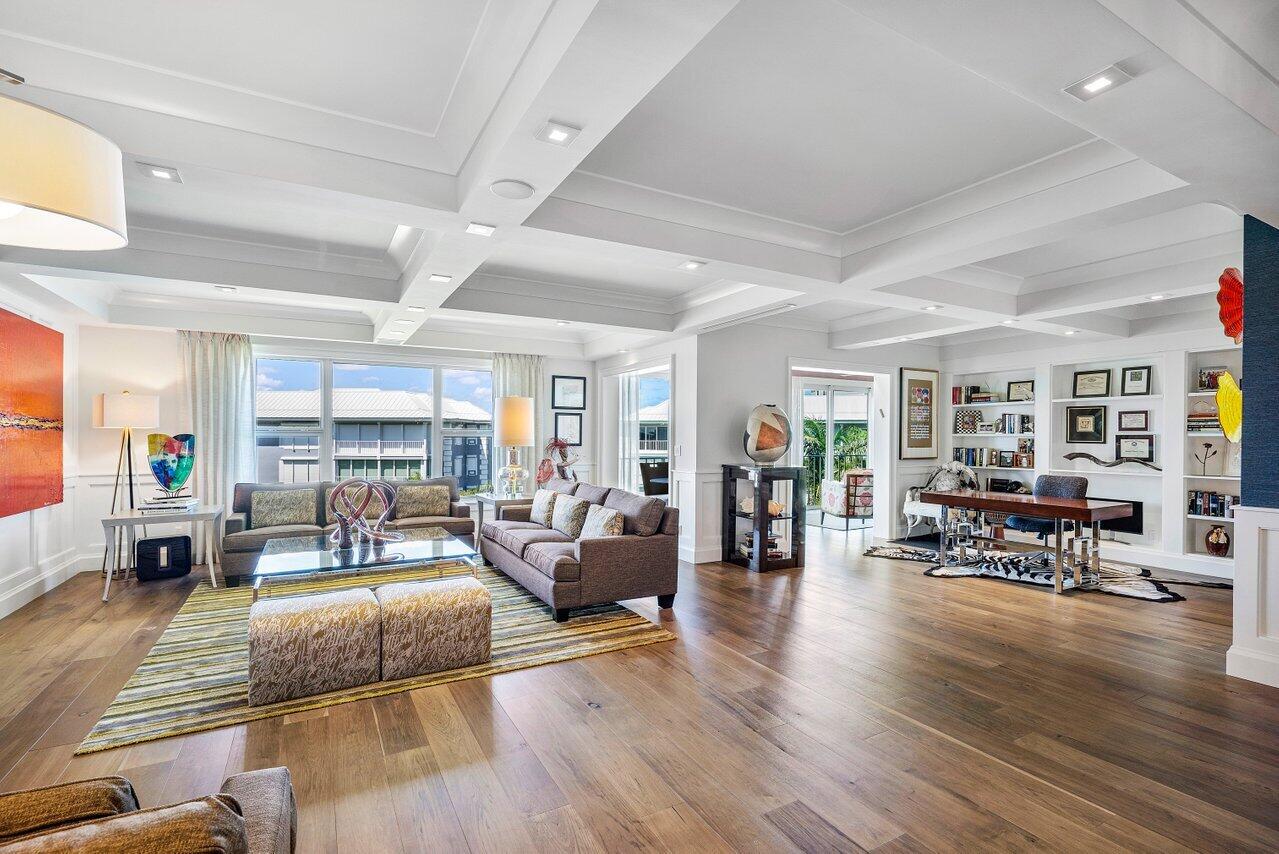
<point>1211,465</point>
<point>992,426</point>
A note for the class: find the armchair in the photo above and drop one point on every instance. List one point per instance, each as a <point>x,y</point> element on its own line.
<point>850,497</point>
<point>952,475</point>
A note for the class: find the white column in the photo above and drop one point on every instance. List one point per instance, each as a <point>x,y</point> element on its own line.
<point>1254,654</point>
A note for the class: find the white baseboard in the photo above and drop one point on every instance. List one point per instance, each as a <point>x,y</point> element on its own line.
<point>32,582</point>
<point>1253,664</point>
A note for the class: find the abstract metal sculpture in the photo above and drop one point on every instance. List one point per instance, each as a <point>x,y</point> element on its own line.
<point>1109,464</point>
<point>1230,302</point>
<point>348,501</point>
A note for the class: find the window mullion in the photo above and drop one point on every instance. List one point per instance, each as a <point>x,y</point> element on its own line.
<point>327,466</point>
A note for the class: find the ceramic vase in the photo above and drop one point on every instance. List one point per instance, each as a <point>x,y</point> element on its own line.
<point>1217,541</point>
<point>768,434</point>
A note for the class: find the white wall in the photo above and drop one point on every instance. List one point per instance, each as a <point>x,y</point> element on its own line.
<point>38,548</point>
<point>586,466</point>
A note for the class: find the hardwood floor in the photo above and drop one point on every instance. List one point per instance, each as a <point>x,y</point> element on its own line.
<point>852,705</point>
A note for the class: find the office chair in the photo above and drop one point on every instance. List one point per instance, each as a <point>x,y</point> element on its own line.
<point>1048,486</point>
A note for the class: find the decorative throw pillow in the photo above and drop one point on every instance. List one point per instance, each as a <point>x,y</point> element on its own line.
<point>432,500</point>
<point>601,522</point>
<point>543,507</point>
<point>372,512</point>
<point>271,507</point>
<point>569,515</point>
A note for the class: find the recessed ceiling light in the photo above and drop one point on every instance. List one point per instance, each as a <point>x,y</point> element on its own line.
<point>160,173</point>
<point>692,265</point>
<point>439,277</point>
<point>623,350</point>
<point>902,340</point>
<point>403,320</point>
<point>417,309</point>
<point>1155,297</point>
<point>1095,84</point>
<point>1007,322</point>
<point>509,188</point>
<point>561,323</point>
<point>1069,332</point>
<point>481,229</point>
<point>931,307</point>
<point>558,133</point>
<point>226,289</point>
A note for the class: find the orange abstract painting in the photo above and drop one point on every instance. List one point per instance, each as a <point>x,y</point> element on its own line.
<point>30,415</point>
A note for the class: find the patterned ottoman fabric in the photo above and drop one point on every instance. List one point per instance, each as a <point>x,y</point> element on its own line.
<point>304,645</point>
<point>429,626</point>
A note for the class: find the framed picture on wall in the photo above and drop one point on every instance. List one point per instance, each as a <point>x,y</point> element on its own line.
<point>1021,390</point>
<point>1135,448</point>
<point>1137,419</point>
<point>1092,384</point>
<point>918,413</point>
<point>1086,425</point>
<point>568,426</point>
<point>1134,381</point>
<point>568,392</point>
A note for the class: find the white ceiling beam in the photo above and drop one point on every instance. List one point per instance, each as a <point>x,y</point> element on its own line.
<point>529,305</point>
<point>249,320</point>
<point>1177,280</point>
<point>899,329</point>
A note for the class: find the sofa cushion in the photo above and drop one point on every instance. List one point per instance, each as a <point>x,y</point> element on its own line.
<point>453,524</point>
<point>40,810</point>
<point>543,506</point>
<point>559,484</point>
<point>518,539</point>
<point>495,529</point>
<point>557,561</point>
<point>210,825</point>
<point>373,512</point>
<point>643,515</point>
<point>430,500</point>
<point>592,493</point>
<point>269,508</point>
<point>570,513</point>
<point>602,522</point>
<point>254,539</point>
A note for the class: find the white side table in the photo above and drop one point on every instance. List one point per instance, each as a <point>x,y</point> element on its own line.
<point>496,502</point>
<point>211,515</point>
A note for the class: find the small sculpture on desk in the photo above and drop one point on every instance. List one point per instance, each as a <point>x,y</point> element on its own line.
<point>558,462</point>
<point>348,501</point>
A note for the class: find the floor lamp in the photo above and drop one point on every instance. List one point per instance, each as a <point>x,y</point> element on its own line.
<point>123,411</point>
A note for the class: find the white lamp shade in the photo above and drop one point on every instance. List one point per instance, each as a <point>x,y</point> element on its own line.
<point>514,416</point>
<point>61,183</point>
<point>130,410</point>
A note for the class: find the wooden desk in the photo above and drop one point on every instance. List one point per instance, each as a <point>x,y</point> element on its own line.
<point>1083,511</point>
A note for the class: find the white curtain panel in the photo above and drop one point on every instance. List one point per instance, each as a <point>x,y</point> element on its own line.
<point>521,375</point>
<point>628,433</point>
<point>219,380</point>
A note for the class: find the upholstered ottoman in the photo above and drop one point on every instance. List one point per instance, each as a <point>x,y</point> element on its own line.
<point>429,626</point>
<point>304,645</point>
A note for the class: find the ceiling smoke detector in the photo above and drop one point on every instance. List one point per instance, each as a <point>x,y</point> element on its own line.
<point>509,188</point>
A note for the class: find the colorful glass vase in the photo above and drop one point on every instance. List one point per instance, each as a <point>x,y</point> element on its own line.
<point>172,458</point>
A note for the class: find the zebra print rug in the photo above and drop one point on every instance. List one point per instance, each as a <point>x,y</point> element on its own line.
<point>1133,582</point>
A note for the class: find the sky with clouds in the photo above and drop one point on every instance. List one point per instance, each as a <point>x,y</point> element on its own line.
<point>293,375</point>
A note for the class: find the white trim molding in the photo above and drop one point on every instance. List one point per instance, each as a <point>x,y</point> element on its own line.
<point>1254,655</point>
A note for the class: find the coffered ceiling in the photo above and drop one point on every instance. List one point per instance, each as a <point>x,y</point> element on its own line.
<point>877,170</point>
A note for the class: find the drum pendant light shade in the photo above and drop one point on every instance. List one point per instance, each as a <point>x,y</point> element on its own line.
<point>61,183</point>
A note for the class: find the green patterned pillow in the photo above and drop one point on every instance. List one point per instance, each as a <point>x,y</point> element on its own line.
<point>601,521</point>
<point>412,501</point>
<point>543,507</point>
<point>569,515</point>
<point>271,507</point>
<point>373,512</point>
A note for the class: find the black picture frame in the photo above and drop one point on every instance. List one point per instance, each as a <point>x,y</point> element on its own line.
<point>1148,438</point>
<point>1021,383</point>
<point>1077,435</point>
<point>569,418</point>
<point>1143,425</point>
<point>1105,372</point>
<point>1123,381</point>
<point>1006,459</point>
<point>566,391</point>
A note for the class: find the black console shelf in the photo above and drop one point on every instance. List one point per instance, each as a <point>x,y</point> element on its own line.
<point>760,482</point>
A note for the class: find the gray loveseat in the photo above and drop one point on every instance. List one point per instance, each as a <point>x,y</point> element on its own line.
<point>566,573</point>
<point>242,543</point>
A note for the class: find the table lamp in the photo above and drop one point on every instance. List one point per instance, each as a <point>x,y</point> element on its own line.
<point>514,417</point>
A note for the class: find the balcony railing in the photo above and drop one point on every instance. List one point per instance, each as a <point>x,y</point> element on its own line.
<point>653,445</point>
<point>379,448</point>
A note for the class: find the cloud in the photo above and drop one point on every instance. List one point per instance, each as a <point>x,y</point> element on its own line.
<point>467,379</point>
<point>482,393</point>
<point>370,379</point>
<point>350,367</point>
<point>266,381</point>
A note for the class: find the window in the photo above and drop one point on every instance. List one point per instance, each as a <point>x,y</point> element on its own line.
<point>288,421</point>
<point>382,417</point>
<point>466,419</point>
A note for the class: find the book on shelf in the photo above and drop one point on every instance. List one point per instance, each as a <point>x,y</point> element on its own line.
<point>970,394</point>
<point>1204,502</point>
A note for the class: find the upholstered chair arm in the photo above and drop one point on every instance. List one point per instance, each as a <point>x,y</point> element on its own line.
<point>628,567</point>
<point>459,510</point>
<point>269,809</point>
<point>49,808</point>
<point>516,512</point>
<point>235,523</point>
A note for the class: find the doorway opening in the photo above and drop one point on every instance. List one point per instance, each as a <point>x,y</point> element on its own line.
<point>644,431</point>
<point>837,429</point>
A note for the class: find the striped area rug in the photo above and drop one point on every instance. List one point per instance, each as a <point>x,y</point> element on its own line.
<point>196,676</point>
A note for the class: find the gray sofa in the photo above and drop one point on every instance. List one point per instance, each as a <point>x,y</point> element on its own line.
<point>242,543</point>
<point>566,573</point>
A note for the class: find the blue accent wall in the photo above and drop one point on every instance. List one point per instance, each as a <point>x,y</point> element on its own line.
<point>1260,484</point>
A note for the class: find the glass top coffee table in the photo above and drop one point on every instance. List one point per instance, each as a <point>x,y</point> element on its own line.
<point>296,558</point>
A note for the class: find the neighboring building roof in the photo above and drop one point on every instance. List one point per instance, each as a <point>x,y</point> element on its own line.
<point>365,403</point>
<point>656,412</point>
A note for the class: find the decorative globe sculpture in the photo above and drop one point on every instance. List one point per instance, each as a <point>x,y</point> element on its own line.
<point>767,437</point>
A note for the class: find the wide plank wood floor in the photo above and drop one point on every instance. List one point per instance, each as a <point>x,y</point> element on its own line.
<point>852,705</point>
